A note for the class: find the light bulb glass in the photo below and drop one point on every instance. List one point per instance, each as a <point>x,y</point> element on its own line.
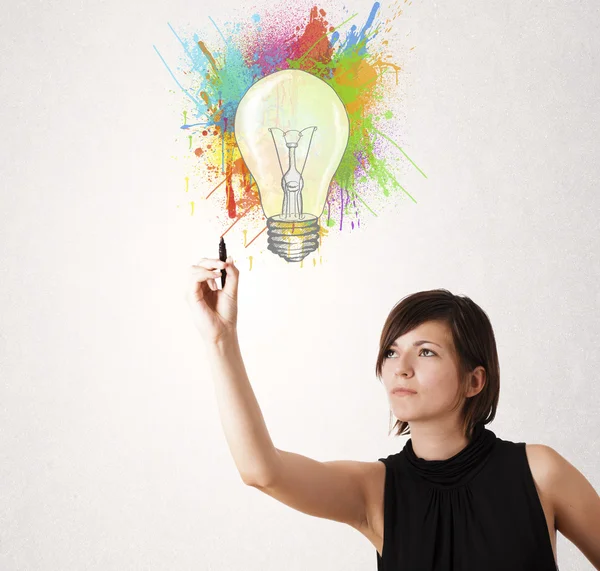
<point>292,130</point>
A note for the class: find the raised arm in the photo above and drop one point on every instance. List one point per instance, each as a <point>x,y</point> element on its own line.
<point>340,490</point>
<point>332,490</point>
<point>335,490</point>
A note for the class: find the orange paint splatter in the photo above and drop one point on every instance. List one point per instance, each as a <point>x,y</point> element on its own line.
<point>209,56</point>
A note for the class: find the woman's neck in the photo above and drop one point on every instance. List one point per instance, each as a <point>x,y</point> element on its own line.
<point>437,440</point>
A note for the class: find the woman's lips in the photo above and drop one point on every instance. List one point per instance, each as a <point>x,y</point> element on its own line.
<point>403,392</point>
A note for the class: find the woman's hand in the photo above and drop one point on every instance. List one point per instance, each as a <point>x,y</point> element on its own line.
<point>214,311</point>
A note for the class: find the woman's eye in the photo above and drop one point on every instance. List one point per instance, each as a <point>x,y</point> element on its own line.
<point>391,352</point>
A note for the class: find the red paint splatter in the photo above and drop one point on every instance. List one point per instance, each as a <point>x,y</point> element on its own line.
<point>313,45</point>
<point>198,151</point>
<point>238,169</point>
<point>230,205</point>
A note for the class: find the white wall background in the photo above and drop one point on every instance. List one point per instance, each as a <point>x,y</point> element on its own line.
<point>111,450</point>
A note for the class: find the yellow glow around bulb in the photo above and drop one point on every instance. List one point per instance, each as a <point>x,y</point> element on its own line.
<point>292,130</point>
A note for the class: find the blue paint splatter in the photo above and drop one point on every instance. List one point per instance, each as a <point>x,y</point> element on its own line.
<point>353,38</point>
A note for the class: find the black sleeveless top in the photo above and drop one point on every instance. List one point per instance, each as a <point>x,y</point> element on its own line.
<point>476,511</point>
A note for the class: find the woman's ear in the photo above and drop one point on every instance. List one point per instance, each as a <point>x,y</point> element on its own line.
<point>477,379</point>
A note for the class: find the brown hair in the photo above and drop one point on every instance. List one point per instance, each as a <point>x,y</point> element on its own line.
<point>473,339</point>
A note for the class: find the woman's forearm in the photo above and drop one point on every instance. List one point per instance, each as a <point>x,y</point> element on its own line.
<point>243,424</point>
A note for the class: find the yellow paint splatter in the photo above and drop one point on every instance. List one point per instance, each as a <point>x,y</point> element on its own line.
<point>192,203</point>
<point>250,258</point>
<point>187,183</point>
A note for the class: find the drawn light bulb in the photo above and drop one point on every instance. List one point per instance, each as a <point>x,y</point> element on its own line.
<point>292,130</point>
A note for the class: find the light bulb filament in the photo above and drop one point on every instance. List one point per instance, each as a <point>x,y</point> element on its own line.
<point>292,181</point>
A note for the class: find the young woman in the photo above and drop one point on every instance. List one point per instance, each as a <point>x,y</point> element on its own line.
<point>456,497</point>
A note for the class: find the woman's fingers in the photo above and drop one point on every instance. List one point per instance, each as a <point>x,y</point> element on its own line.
<point>201,274</point>
<point>197,276</point>
<point>208,270</point>
<point>210,264</point>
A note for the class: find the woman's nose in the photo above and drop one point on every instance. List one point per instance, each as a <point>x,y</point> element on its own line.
<point>402,369</point>
<point>400,372</point>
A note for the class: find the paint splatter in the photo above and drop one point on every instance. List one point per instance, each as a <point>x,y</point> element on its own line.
<point>346,50</point>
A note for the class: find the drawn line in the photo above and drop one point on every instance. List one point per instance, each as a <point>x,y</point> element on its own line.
<point>401,150</point>
<point>366,205</point>
<point>181,42</point>
<point>216,187</point>
<point>255,237</point>
<point>173,76</point>
<point>239,218</point>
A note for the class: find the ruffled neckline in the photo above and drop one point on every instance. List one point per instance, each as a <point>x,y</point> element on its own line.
<point>458,469</point>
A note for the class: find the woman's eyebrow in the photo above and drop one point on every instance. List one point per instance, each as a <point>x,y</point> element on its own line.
<point>417,343</point>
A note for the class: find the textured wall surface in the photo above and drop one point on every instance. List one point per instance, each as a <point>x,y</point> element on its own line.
<point>112,455</point>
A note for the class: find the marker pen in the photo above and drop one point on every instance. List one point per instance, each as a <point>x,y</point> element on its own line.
<point>223,258</point>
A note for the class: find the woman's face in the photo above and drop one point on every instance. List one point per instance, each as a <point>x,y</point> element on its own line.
<point>425,361</point>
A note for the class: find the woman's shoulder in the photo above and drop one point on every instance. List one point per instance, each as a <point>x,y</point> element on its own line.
<point>543,460</point>
<point>544,457</point>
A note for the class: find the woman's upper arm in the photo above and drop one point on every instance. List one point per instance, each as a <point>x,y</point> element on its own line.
<point>335,490</point>
<point>576,505</point>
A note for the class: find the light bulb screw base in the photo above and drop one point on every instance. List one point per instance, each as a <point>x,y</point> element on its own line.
<point>293,240</point>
